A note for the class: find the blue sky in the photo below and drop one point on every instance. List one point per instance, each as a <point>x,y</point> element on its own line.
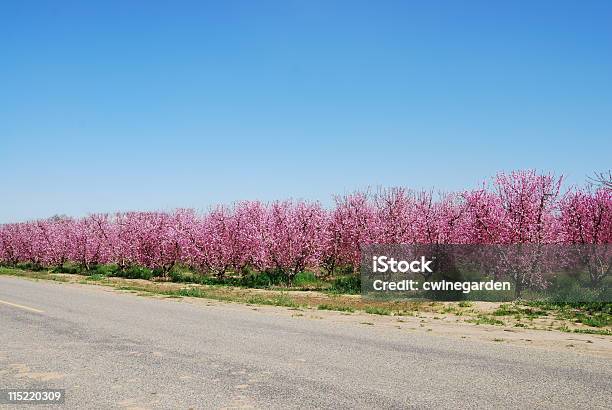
<point>124,105</point>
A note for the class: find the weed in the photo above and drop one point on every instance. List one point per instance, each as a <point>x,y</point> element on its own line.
<point>377,310</point>
<point>603,332</point>
<point>564,328</point>
<point>280,300</point>
<point>96,277</point>
<point>485,320</point>
<point>505,310</point>
<point>306,279</point>
<point>346,285</point>
<point>597,320</point>
<point>339,308</point>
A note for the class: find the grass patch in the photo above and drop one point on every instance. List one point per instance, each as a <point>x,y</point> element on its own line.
<point>591,307</point>
<point>485,320</point>
<point>307,279</point>
<point>280,300</point>
<point>339,308</point>
<point>349,285</point>
<point>603,332</point>
<point>96,277</point>
<point>449,309</point>
<point>30,274</point>
<point>505,310</point>
<point>518,311</point>
<point>375,310</point>
<point>596,320</point>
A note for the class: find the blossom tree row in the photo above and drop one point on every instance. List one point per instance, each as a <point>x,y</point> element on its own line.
<point>291,236</point>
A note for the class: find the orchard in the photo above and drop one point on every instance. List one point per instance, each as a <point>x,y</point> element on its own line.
<point>288,237</point>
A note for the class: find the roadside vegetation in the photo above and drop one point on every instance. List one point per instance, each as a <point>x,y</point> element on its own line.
<point>343,282</point>
<point>310,292</point>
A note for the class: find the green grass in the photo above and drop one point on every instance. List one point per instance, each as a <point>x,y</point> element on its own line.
<point>307,279</point>
<point>349,285</point>
<point>280,300</point>
<point>519,311</point>
<point>506,310</point>
<point>603,332</point>
<point>596,320</point>
<point>485,320</point>
<point>602,307</point>
<point>450,309</point>
<point>339,308</point>
<point>135,272</point>
<point>96,277</point>
<point>594,314</point>
<point>189,292</point>
<point>30,274</point>
<point>374,310</point>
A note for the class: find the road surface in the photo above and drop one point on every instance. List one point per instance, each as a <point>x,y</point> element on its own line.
<point>118,350</point>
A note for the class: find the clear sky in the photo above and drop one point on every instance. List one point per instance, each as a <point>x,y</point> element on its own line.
<point>126,105</point>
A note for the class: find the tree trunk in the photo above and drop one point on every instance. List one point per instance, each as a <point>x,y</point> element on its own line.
<point>518,288</point>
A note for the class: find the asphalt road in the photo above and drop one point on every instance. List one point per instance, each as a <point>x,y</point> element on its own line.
<point>115,350</point>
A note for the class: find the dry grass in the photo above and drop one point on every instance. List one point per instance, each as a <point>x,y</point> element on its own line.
<point>506,315</point>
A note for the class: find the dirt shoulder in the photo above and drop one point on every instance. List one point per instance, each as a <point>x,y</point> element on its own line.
<point>489,322</point>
